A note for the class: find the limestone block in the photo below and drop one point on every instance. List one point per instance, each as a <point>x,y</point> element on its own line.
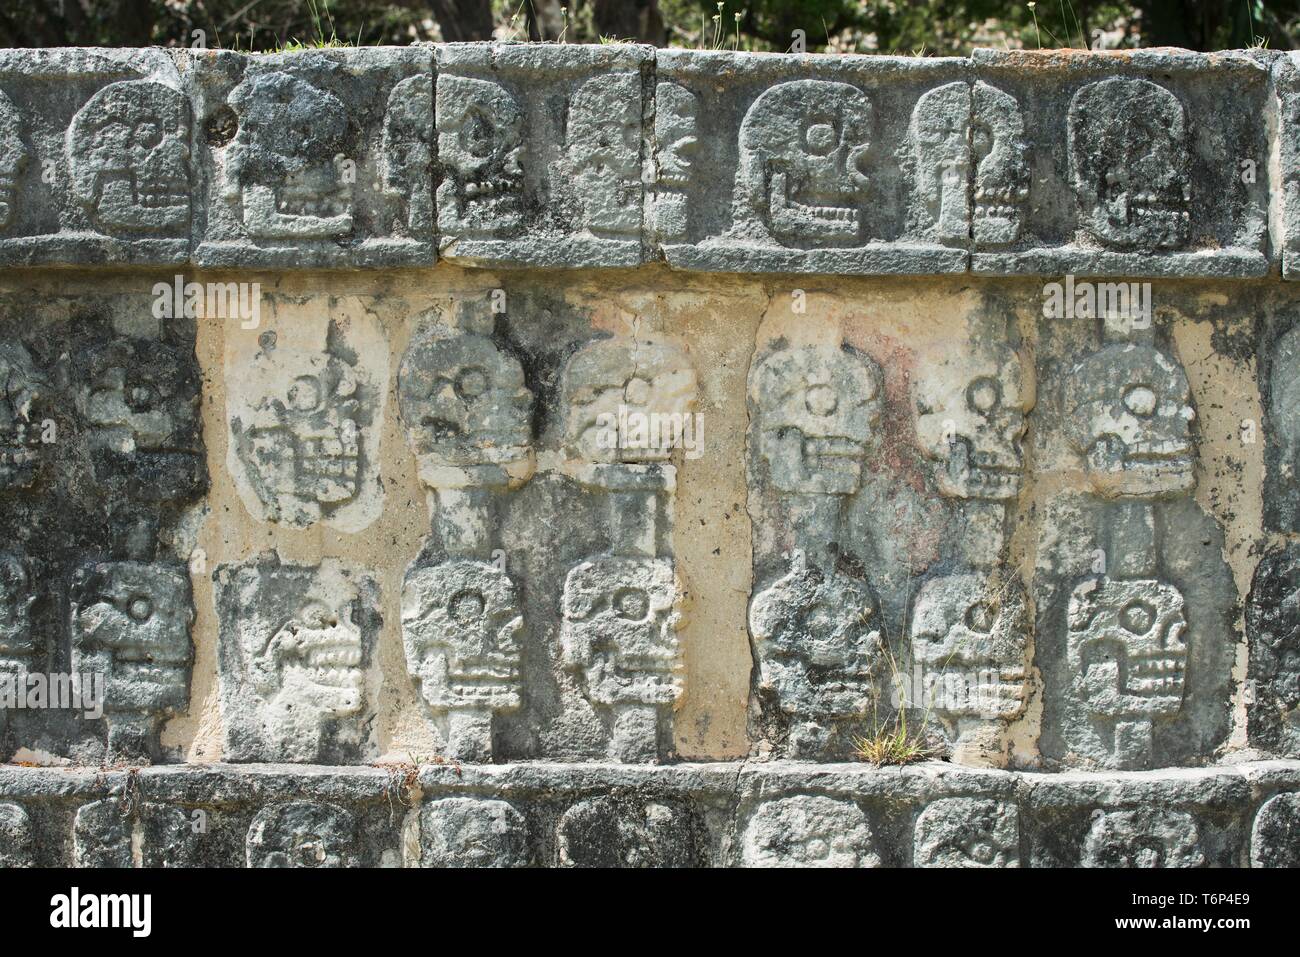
<point>468,832</point>
<point>295,659</point>
<point>1136,164</point>
<point>541,152</point>
<point>1275,835</point>
<point>95,158</point>
<point>1148,837</point>
<point>808,831</point>
<point>610,832</point>
<point>812,164</point>
<point>303,834</point>
<point>101,835</point>
<point>313,159</point>
<point>967,832</point>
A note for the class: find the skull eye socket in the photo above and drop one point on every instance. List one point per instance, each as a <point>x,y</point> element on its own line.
<point>317,615</point>
<point>1140,400</point>
<point>636,391</point>
<point>466,606</point>
<point>477,137</point>
<point>148,134</point>
<point>140,396</point>
<point>631,604</point>
<point>140,608</point>
<point>981,141</point>
<point>471,383</point>
<point>305,393</point>
<point>821,400</point>
<point>980,617</point>
<point>1137,617</point>
<point>820,139</point>
<point>984,395</point>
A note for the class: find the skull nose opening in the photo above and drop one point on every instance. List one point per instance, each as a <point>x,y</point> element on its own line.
<point>1140,400</point>
<point>984,395</point>
<point>821,400</point>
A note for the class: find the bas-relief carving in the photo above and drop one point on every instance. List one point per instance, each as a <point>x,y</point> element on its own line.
<point>303,834</point>
<point>998,153</point>
<point>22,387</point>
<point>1275,835</point>
<point>283,170</point>
<point>17,843</point>
<point>17,595</point>
<point>131,623</point>
<point>807,831</point>
<point>803,179</point>
<point>1128,415</point>
<point>473,832</point>
<point>480,145</point>
<point>607,833</point>
<point>971,414</point>
<point>1273,636</point>
<point>676,130</point>
<point>967,832</point>
<point>1129,164</point>
<point>604,153</point>
<point>939,135</point>
<point>129,159</point>
<point>13,159</point>
<point>102,834</point>
<point>408,153</point>
<point>295,645</point>
<point>1150,837</point>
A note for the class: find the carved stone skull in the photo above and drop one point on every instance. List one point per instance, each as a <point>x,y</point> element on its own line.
<point>967,832</point>
<point>815,410</point>
<point>303,834</point>
<point>21,388</point>
<point>621,618</point>
<point>472,832</point>
<point>808,831</point>
<point>140,401</point>
<point>128,157</point>
<point>480,139</point>
<point>464,403</point>
<point>310,669</point>
<point>627,401</point>
<point>803,165</point>
<point>1126,648</point>
<point>1128,411</point>
<point>408,150</point>
<point>972,635</point>
<point>970,416</point>
<point>1148,838</point>
<point>998,150</point>
<point>676,145</point>
<point>941,151</point>
<point>284,166</point>
<point>131,623</point>
<point>1129,156</point>
<point>460,626</point>
<point>604,153</point>
<point>302,448</point>
<point>13,159</point>
<point>818,642</point>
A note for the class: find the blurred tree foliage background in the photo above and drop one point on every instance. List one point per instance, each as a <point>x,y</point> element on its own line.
<point>929,27</point>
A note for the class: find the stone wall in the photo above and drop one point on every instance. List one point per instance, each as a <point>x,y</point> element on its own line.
<point>542,454</point>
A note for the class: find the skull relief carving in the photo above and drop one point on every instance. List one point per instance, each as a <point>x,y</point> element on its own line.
<point>17,595</point>
<point>676,145</point>
<point>408,150</point>
<point>460,626</point>
<point>627,401</point>
<point>941,150</point>
<point>464,403</point>
<point>604,153</point>
<point>1129,156</point>
<point>140,402</point>
<point>21,387</point>
<point>13,159</point>
<point>818,641</point>
<point>802,180</point>
<point>17,844</point>
<point>998,150</point>
<point>816,410</point>
<point>480,139</point>
<point>1126,648</point>
<point>621,617</point>
<point>128,157</point>
<point>1128,411</point>
<point>809,832</point>
<point>303,834</point>
<point>472,832</point>
<point>131,623</point>
<point>971,415</point>
<point>1151,837</point>
<point>284,166</point>
<point>973,637</point>
<point>967,832</point>
<point>302,448</point>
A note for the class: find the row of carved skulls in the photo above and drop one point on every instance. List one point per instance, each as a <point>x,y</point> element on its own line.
<point>803,179</point>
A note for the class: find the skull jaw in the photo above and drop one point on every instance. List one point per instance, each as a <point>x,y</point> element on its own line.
<point>959,477</point>
<point>1127,222</point>
<point>794,223</point>
<point>267,216</point>
<point>1116,469</point>
<point>128,204</point>
<point>819,465</point>
<point>998,215</point>
<point>613,206</point>
<point>483,683</point>
<point>1112,691</point>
